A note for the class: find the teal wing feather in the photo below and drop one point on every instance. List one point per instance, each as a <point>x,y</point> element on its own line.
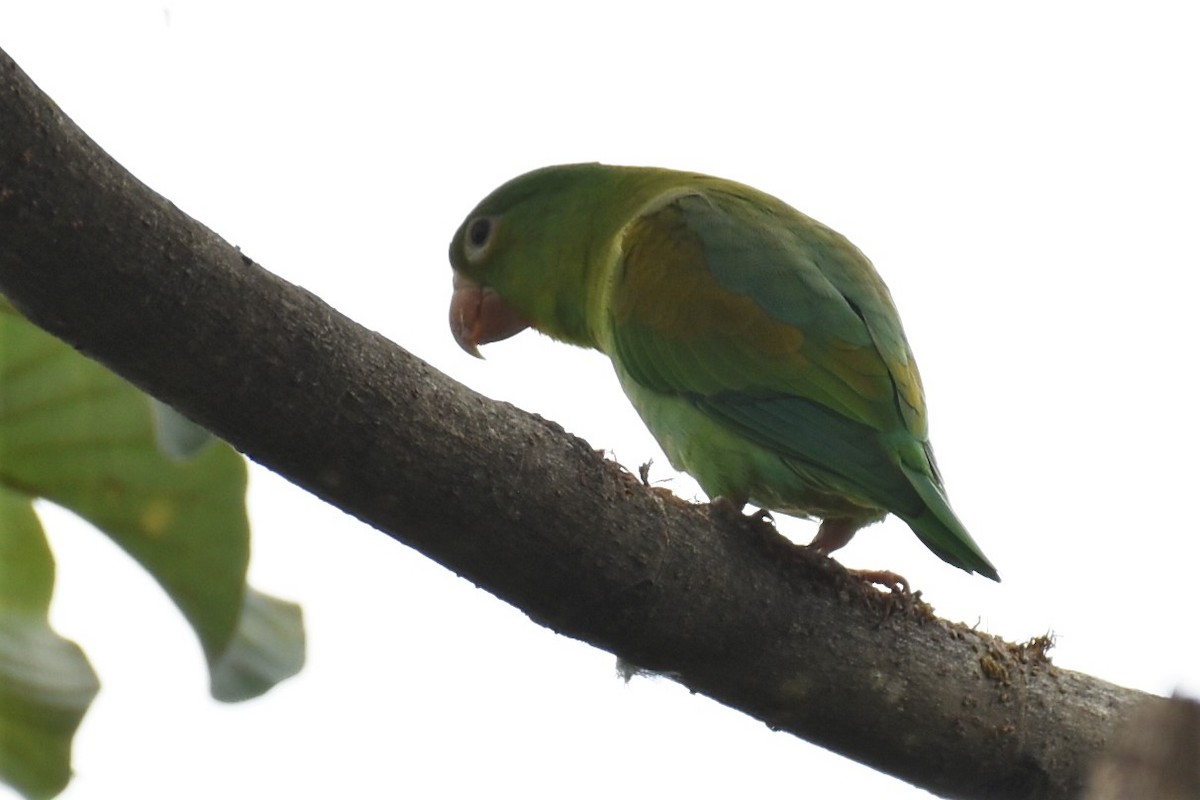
<point>779,330</point>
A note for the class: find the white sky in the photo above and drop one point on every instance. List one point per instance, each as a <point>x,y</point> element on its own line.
<point>1025,180</point>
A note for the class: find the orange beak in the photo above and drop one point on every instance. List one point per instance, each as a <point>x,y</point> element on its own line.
<point>478,316</point>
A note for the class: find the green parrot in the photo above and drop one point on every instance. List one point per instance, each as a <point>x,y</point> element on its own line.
<point>761,348</point>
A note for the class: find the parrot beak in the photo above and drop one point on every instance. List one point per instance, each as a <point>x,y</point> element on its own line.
<point>478,316</point>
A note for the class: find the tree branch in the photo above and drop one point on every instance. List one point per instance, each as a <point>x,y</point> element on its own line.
<point>511,502</point>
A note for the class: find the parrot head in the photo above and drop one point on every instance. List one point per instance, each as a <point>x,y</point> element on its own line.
<point>496,245</point>
<point>526,255</point>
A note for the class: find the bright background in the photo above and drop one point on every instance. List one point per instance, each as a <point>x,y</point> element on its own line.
<point>1025,179</point>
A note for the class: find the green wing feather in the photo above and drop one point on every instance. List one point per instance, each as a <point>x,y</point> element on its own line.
<point>727,303</point>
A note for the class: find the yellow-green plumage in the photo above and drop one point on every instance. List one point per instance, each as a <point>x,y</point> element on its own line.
<point>761,348</point>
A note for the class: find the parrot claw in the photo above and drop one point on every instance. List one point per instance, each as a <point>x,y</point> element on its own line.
<point>763,515</point>
<point>894,583</point>
<point>726,507</point>
<point>833,534</point>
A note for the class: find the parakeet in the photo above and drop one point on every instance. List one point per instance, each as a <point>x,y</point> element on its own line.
<point>760,347</point>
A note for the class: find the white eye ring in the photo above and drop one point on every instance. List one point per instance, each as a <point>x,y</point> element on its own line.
<point>478,237</point>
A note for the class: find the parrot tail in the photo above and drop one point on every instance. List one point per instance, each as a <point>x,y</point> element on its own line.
<point>940,530</point>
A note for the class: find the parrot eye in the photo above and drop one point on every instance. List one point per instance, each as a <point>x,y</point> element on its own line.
<point>478,238</point>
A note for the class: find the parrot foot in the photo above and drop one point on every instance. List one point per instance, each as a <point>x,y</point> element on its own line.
<point>725,507</point>
<point>894,583</point>
<point>833,534</point>
<point>762,515</point>
<point>732,509</point>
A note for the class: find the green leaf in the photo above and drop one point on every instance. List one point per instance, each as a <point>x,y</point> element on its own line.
<point>169,495</point>
<point>177,436</point>
<point>46,683</point>
<point>268,647</point>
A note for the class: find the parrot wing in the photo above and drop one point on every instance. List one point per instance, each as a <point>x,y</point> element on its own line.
<point>778,327</point>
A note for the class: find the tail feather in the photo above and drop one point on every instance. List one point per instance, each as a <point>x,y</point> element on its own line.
<point>940,529</point>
